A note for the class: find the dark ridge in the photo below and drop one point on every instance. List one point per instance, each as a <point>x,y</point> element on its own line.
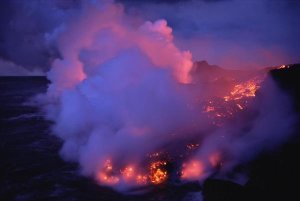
<point>288,79</point>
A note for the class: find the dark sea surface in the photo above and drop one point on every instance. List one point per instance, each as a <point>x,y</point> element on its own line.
<point>30,165</point>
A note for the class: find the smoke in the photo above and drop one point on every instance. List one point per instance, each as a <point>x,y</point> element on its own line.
<point>268,122</point>
<point>28,28</point>
<point>230,33</point>
<point>123,91</point>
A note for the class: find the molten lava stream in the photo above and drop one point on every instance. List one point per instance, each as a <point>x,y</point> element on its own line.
<point>158,173</point>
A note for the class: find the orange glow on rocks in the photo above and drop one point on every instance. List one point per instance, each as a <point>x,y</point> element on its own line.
<point>215,159</point>
<point>209,109</point>
<point>283,66</point>
<point>128,172</point>
<point>107,179</point>
<point>192,170</point>
<point>141,179</point>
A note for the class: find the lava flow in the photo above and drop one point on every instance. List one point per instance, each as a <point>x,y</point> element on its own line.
<point>237,99</point>
<point>157,174</point>
<point>244,90</point>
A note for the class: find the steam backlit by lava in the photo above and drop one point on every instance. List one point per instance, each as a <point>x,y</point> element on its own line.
<point>192,170</point>
<point>130,111</point>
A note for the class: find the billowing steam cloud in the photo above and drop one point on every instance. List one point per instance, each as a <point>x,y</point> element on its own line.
<point>123,95</point>
<point>230,33</point>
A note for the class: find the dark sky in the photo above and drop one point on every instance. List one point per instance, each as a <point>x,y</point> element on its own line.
<point>230,33</point>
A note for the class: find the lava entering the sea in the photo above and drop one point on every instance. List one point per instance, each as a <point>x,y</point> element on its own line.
<point>133,110</point>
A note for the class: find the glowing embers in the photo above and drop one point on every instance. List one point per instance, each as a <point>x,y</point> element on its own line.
<point>192,146</point>
<point>111,176</point>
<point>155,155</point>
<point>129,174</point>
<point>192,170</point>
<point>222,110</point>
<point>106,175</point>
<point>158,173</point>
<point>141,179</point>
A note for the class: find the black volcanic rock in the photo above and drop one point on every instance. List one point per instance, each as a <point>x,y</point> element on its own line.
<point>203,71</point>
<point>288,79</point>
<point>220,190</point>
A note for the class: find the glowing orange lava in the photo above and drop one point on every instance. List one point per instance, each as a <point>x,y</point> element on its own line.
<point>129,174</point>
<point>219,109</point>
<point>245,89</point>
<point>158,174</point>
